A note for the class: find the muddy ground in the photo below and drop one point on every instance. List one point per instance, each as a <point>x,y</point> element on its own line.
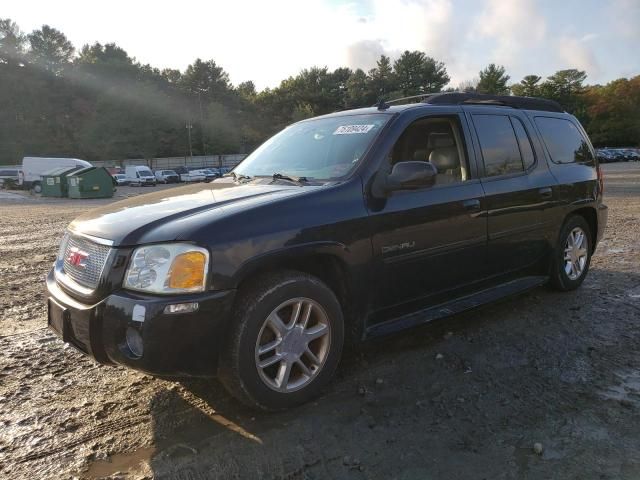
<point>463,398</point>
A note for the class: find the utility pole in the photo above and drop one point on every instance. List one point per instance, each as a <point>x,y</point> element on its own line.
<point>201,125</point>
<point>189,127</point>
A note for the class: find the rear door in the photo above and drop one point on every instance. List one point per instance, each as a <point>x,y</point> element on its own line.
<point>519,190</point>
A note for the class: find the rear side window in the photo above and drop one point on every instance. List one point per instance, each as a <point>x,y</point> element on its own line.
<point>524,142</point>
<point>563,140</point>
<point>499,145</point>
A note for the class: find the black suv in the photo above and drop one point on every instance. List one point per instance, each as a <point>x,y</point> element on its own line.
<point>351,225</point>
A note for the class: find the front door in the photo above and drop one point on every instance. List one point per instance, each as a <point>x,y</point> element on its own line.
<point>430,241</point>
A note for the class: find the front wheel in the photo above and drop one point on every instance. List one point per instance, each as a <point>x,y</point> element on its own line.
<point>285,341</point>
<point>572,256</point>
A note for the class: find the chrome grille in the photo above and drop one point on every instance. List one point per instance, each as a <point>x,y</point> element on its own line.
<point>87,275</point>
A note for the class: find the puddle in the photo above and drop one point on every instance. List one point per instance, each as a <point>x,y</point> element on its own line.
<point>628,388</point>
<point>120,462</point>
<point>634,293</point>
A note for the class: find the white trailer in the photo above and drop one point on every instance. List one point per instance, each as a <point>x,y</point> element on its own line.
<point>34,167</point>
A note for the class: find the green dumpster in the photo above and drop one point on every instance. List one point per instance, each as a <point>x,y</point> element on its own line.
<point>90,182</point>
<point>54,182</point>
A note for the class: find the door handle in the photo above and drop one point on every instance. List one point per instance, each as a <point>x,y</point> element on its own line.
<point>472,205</point>
<point>546,192</point>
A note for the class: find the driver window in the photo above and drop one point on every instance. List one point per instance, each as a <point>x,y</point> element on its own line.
<point>435,140</point>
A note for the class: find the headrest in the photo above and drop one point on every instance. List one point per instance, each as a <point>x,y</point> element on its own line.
<point>440,140</point>
<point>445,159</point>
<point>420,155</point>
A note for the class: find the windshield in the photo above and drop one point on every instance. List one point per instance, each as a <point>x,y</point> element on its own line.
<point>322,149</point>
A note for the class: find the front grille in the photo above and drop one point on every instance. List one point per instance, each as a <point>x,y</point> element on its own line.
<point>87,272</point>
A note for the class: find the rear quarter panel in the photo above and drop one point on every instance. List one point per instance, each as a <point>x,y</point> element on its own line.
<point>577,182</point>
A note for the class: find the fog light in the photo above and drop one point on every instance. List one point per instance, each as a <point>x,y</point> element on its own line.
<point>134,341</point>
<point>181,307</point>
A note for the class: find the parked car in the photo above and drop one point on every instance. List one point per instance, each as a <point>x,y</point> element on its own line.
<point>631,154</point>
<point>120,178</point>
<point>210,174</point>
<point>618,155</point>
<point>192,176</point>
<point>224,170</point>
<point>180,170</point>
<point>10,176</point>
<point>33,168</point>
<point>167,176</point>
<point>140,175</point>
<point>359,223</point>
<point>605,156</point>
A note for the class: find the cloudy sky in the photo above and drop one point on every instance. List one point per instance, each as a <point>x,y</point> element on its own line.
<point>268,40</point>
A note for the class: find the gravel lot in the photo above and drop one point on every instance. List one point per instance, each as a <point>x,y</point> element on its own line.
<point>463,398</point>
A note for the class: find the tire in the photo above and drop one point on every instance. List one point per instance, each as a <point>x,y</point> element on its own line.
<point>280,294</point>
<point>564,277</point>
<point>37,187</point>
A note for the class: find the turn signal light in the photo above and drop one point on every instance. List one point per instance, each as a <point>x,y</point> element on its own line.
<point>187,270</point>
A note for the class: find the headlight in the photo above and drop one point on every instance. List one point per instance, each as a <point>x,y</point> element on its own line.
<point>168,268</point>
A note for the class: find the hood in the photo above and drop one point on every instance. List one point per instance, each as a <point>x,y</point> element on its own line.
<point>126,221</point>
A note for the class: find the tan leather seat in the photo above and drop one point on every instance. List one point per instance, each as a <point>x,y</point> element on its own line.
<point>447,162</point>
<point>421,155</point>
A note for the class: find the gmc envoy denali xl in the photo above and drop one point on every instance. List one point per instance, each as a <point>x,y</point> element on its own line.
<point>346,226</point>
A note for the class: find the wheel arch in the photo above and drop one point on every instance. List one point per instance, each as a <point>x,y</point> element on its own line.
<point>328,262</point>
<point>591,217</point>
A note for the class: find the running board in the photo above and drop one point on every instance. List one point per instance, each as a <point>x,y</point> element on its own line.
<point>455,306</point>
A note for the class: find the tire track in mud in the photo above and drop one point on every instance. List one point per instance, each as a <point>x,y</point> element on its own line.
<point>103,429</point>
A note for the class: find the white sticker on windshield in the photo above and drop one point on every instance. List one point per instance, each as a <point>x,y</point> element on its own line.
<point>351,129</point>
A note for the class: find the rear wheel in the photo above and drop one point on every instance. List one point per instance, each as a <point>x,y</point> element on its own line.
<point>573,254</point>
<point>285,341</point>
<point>36,187</point>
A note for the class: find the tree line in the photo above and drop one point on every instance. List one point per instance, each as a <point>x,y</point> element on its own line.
<point>99,103</point>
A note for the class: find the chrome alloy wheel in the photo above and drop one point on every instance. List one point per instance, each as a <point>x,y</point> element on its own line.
<point>293,345</point>
<point>575,253</point>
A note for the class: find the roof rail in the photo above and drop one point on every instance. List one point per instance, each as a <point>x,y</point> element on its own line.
<point>523,103</point>
<point>464,98</point>
<point>412,97</point>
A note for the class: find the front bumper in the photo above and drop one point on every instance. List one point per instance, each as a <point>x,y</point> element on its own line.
<point>174,344</point>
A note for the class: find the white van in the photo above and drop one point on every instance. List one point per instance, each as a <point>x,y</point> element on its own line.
<point>34,167</point>
<point>140,175</point>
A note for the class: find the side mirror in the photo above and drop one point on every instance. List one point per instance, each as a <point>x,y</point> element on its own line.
<point>411,175</point>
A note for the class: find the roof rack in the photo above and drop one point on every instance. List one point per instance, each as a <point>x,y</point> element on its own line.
<point>463,98</point>
<point>523,103</point>
<point>412,97</point>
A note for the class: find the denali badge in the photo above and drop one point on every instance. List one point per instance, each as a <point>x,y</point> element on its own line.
<point>77,257</point>
<point>400,246</point>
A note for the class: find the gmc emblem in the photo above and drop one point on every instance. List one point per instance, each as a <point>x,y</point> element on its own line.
<point>77,257</point>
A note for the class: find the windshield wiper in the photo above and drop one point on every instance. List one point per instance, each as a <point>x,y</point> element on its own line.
<point>290,178</point>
